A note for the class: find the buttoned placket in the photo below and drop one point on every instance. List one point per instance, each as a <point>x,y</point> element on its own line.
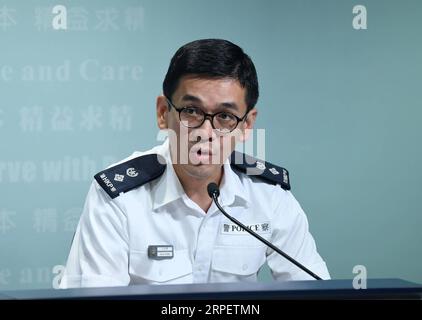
<point>206,237</point>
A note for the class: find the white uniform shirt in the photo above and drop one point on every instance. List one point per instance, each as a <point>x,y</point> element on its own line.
<point>112,238</point>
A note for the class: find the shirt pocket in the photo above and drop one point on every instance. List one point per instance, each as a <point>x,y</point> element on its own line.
<point>237,263</point>
<point>144,270</point>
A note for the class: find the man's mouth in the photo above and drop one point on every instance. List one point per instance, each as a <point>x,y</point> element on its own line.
<point>200,154</point>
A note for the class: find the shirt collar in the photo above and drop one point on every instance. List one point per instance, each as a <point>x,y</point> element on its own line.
<point>232,191</point>
<point>168,188</point>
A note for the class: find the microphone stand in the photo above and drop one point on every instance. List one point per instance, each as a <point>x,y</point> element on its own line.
<point>214,196</point>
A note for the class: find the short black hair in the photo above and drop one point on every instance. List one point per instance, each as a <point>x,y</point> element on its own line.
<point>213,58</point>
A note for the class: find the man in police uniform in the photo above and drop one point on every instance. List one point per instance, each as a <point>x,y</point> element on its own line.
<point>149,218</point>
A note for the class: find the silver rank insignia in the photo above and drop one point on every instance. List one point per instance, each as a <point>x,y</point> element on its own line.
<point>274,171</point>
<point>260,165</point>
<point>119,177</point>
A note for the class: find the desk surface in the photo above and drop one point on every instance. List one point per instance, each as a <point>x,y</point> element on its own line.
<point>376,288</point>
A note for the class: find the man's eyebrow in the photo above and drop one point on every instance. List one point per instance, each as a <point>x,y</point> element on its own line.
<point>191,98</point>
<point>230,105</point>
<point>188,97</point>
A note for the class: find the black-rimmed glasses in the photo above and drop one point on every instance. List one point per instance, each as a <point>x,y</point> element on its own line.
<point>194,117</point>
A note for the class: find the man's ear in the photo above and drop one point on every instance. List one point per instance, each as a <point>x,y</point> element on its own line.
<point>248,124</point>
<point>162,112</point>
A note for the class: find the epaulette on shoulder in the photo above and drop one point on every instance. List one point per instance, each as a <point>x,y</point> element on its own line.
<point>131,174</point>
<point>261,169</point>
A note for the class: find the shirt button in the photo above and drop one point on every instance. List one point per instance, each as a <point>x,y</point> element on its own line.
<point>244,267</point>
<point>199,268</point>
<point>160,272</point>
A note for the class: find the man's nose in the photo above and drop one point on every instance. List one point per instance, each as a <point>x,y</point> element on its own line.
<point>205,132</point>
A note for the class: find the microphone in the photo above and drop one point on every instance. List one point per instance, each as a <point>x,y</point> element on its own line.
<point>214,192</point>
